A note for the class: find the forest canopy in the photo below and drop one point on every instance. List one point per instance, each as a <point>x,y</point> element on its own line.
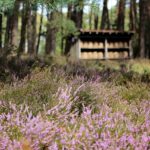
<point>44,26</point>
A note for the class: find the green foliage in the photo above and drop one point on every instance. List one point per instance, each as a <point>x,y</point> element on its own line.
<point>134,93</point>
<point>140,66</point>
<point>53,4</point>
<point>50,4</point>
<point>85,99</point>
<point>64,28</point>
<point>14,133</point>
<point>35,92</point>
<point>6,4</point>
<point>62,23</point>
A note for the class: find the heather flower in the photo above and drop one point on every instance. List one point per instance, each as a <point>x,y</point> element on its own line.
<point>111,123</point>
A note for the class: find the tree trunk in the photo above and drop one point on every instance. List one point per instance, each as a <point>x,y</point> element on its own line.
<point>143,14</point>
<point>7,41</point>
<point>69,13</point>
<point>68,40</point>
<point>75,13</point>
<point>31,32</point>
<point>121,15</point>
<point>51,35</point>
<point>11,34</point>
<point>25,15</point>
<point>1,20</point>
<point>62,29</point>
<point>105,23</point>
<point>40,30</point>
<point>133,15</point>
<point>147,30</point>
<point>96,19</point>
<point>90,18</point>
<point>15,24</point>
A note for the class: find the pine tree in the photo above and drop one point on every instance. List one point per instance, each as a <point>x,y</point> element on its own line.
<point>24,22</point>
<point>144,28</point>
<point>105,23</point>
<point>1,22</point>
<point>31,30</point>
<point>121,15</point>
<point>51,34</point>
<point>133,15</point>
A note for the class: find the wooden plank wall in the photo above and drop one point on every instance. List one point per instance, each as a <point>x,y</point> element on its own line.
<point>92,55</point>
<point>98,52</point>
<point>95,45</point>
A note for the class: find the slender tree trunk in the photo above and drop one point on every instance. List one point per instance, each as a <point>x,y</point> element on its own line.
<point>143,14</point>
<point>40,30</point>
<point>96,19</point>
<point>121,15</point>
<point>90,17</point>
<point>7,41</point>
<point>62,30</point>
<point>147,32</point>
<point>15,25</point>
<point>148,26</point>
<point>31,32</point>
<point>68,40</point>
<point>1,21</point>
<point>133,15</point>
<point>105,23</point>
<point>25,15</point>
<point>51,35</point>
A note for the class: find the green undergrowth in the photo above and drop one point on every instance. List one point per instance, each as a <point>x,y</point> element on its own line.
<point>91,86</point>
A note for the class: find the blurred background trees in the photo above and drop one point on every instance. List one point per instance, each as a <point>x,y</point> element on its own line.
<point>44,27</point>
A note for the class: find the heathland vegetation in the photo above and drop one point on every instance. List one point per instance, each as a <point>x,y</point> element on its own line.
<point>86,105</point>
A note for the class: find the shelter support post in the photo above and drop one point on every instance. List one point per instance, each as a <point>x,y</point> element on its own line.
<point>106,49</point>
<point>130,49</point>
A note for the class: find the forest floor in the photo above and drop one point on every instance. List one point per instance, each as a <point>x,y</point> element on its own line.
<point>84,105</point>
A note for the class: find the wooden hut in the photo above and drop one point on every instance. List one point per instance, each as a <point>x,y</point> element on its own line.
<point>102,44</point>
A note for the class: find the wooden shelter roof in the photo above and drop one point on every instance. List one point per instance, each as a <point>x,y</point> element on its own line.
<point>102,34</point>
<point>83,31</point>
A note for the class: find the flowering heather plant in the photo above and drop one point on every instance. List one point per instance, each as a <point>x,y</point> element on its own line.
<point>54,112</point>
<point>62,128</point>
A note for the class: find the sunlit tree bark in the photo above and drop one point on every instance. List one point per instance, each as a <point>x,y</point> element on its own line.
<point>31,31</point>
<point>40,30</point>
<point>51,35</point>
